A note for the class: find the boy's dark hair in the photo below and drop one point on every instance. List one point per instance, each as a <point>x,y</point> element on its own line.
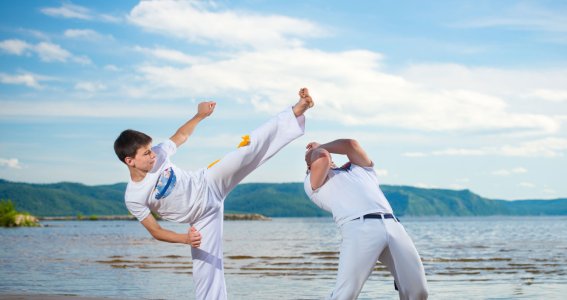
<point>128,143</point>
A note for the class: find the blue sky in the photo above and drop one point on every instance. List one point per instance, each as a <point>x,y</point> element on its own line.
<point>444,94</point>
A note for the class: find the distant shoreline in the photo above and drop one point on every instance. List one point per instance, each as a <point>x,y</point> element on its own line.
<point>48,297</point>
<point>89,218</point>
<point>229,217</point>
<point>269,199</point>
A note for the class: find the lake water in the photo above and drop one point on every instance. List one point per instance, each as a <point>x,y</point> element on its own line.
<point>295,258</point>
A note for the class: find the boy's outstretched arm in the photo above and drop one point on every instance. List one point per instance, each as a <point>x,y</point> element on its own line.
<point>204,109</point>
<point>192,237</point>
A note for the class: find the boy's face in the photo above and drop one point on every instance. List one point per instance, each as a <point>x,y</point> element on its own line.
<point>144,159</point>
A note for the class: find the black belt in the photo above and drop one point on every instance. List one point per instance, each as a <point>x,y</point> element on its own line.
<point>379,216</point>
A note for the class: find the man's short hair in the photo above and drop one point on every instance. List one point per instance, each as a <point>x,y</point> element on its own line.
<point>128,143</point>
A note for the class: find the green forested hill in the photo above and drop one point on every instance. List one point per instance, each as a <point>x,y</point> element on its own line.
<point>270,199</point>
<point>65,198</point>
<point>273,200</point>
<point>414,201</point>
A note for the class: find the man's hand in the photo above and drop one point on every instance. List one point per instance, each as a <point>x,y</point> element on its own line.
<point>312,146</point>
<point>205,109</point>
<point>309,153</point>
<point>349,147</point>
<point>194,237</point>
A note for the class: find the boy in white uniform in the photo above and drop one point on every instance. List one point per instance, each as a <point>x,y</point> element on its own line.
<point>156,185</point>
<point>369,230</point>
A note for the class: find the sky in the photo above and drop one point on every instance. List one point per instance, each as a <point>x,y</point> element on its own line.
<point>441,94</point>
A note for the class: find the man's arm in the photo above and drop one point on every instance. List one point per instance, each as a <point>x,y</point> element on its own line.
<point>318,158</point>
<point>349,147</point>
<point>193,237</point>
<point>204,109</point>
<point>319,165</point>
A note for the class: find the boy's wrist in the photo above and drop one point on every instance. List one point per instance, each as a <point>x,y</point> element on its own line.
<point>199,117</point>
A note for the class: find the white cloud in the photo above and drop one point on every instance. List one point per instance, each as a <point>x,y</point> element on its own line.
<point>49,52</point>
<point>508,172</point>
<point>12,163</point>
<point>90,87</point>
<point>527,185</point>
<point>33,33</point>
<point>26,79</point>
<point>81,59</point>
<point>14,46</point>
<point>73,11</point>
<point>170,55</point>
<point>545,147</point>
<point>414,154</point>
<point>550,95</point>
<point>425,185</point>
<point>112,68</point>
<point>109,18</point>
<point>190,20</point>
<point>351,86</point>
<point>503,83</point>
<point>103,109</point>
<point>69,11</point>
<point>382,172</point>
<point>525,17</point>
<point>87,34</point>
<point>460,152</point>
<point>352,89</point>
<point>456,186</point>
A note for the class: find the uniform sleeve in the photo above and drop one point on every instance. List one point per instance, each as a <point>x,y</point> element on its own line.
<point>370,172</point>
<point>313,194</point>
<point>163,151</point>
<point>138,210</point>
<point>168,147</point>
<point>307,186</point>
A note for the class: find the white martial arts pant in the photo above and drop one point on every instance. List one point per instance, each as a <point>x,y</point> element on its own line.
<point>221,178</point>
<point>365,241</point>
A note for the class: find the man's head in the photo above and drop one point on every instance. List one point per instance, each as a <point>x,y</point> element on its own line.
<point>134,149</point>
<point>318,153</point>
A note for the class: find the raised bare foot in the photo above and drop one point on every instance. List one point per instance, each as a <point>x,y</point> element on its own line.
<point>305,102</point>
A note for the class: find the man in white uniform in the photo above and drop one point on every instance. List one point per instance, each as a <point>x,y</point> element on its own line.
<point>197,198</point>
<point>370,232</point>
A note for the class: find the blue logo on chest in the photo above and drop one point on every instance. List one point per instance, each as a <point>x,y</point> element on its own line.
<point>165,183</point>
